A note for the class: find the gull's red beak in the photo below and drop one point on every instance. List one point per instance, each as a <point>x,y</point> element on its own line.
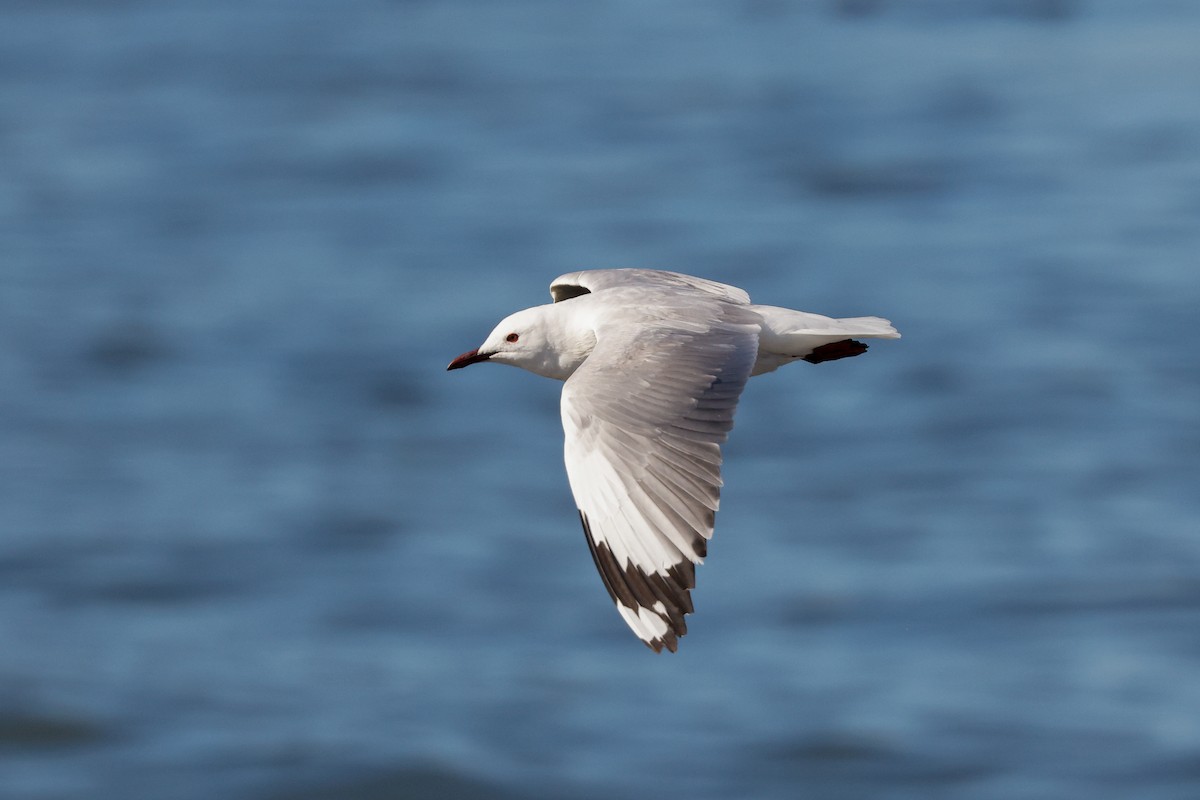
<point>467,359</point>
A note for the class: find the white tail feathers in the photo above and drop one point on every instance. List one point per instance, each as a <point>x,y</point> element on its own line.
<point>788,335</point>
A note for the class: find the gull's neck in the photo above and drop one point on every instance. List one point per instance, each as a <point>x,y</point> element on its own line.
<point>570,336</point>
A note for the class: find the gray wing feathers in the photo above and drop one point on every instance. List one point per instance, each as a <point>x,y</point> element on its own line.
<point>574,284</point>
<point>644,419</point>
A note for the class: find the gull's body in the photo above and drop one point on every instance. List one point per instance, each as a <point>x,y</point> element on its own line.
<point>654,363</point>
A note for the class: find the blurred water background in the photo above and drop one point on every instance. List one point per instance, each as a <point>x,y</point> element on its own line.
<point>256,543</point>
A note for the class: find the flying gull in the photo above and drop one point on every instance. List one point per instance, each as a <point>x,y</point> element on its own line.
<point>653,364</point>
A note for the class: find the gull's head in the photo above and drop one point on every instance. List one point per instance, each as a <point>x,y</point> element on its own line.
<point>521,339</point>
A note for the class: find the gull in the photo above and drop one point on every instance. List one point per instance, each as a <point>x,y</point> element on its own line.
<point>653,364</point>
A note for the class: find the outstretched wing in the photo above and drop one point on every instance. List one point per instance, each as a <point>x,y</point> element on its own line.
<point>574,284</point>
<point>644,419</point>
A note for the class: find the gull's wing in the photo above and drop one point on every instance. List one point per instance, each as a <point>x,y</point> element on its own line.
<point>644,418</point>
<point>573,284</point>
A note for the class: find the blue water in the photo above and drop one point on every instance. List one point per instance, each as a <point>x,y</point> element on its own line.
<point>256,543</point>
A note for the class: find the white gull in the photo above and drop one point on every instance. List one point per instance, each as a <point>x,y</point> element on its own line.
<point>654,363</point>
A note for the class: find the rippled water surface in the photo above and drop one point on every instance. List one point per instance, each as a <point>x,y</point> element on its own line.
<point>256,543</point>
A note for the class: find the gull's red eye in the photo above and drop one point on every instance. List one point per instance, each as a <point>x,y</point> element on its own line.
<point>512,337</point>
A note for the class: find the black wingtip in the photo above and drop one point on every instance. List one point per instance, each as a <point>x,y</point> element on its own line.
<point>835,350</point>
<point>630,588</point>
<point>669,642</point>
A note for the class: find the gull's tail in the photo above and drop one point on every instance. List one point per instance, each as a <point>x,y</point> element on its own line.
<point>789,335</point>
